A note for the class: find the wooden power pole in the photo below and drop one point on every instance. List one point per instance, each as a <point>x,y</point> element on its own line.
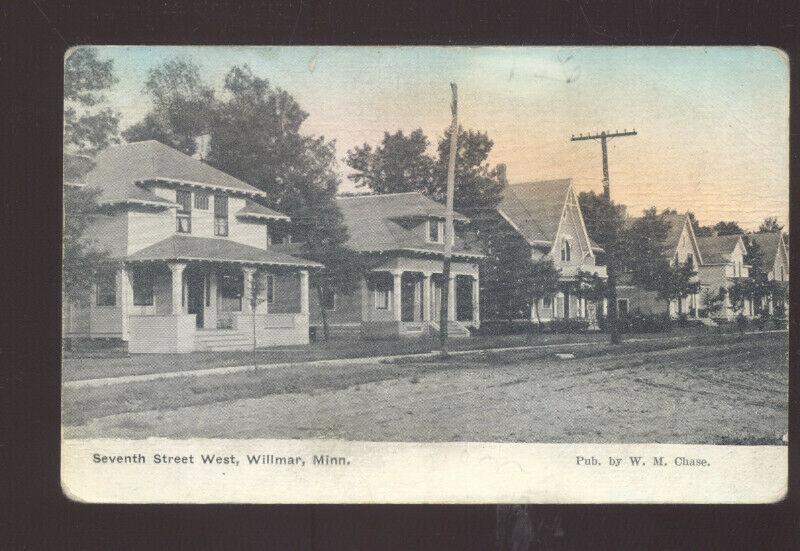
<point>611,268</point>
<point>448,225</point>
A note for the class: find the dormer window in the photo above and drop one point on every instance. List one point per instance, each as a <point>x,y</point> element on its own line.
<point>566,251</point>
<point>435,230</point>
<point>184,212</point>
<point>221,215</point>
<point>200,200</point>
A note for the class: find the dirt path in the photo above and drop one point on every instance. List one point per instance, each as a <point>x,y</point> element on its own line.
<point>735,393</point>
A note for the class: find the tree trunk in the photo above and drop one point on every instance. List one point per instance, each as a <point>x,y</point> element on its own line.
<point>612,300</point>
<point>538,317</point>
<point>324,315</point>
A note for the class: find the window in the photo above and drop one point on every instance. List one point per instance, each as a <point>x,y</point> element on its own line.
<point>269,288</point>
<point>143,288</point>
<point>382,299</point>
<point>221,215</point>
<point>435,228</point>
<point>566,251</point>
<point>201,200</point>
<point>547,302</point>
<point>106,282</point>
<point>279,236</point>
<point>781,272</point>
<point>184,213</point>
<point>690,260</point>
<point>328,299</point>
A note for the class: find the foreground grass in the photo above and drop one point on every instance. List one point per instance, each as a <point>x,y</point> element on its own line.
<point>700,356</point>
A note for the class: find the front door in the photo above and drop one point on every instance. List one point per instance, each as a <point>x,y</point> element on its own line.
<point>408,298</point>
<point>195,294</point>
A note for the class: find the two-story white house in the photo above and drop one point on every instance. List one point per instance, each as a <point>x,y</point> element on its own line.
<point>548,216</point>
<point>187,242</point>
<point>724,263</point>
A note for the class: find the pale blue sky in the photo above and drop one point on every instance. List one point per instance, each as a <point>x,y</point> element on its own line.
<point>713,122</point>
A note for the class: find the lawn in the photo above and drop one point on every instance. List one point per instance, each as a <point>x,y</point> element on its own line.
<point>713,389</point>
<point>102,364</point>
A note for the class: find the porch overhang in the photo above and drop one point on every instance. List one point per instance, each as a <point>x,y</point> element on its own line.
<point>182,248</point>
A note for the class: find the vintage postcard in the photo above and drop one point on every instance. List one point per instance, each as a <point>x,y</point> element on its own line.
<point>425,274</point>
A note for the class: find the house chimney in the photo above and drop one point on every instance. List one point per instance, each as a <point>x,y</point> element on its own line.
<point>202,146</point>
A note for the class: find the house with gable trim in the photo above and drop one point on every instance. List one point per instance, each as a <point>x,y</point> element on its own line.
<point>186,241</point>
<point>776,260</point>
<point>402,236</point>
<point>548,217</point>
<point>681,246</point>
<point>724,263</point>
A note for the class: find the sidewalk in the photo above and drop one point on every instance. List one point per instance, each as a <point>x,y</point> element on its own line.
<point>81,383</point>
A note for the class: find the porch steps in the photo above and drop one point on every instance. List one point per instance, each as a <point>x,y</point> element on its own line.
<point>222,339</point>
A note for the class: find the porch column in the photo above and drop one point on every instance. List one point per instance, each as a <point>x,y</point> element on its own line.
<point>304,292</point>
<point>210,315</point>
<point>476,301</point>
<point>396,298</point>
<point>125,292</point>
<point>247,291</point>
<point>451,298</point>
<point>177,286</point>
<point>426,296</point>
<point>365,302</point>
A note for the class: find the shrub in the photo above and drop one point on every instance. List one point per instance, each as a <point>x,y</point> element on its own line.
<point>741,322</point>
<point>778,321</point>
<point>505,327</point>
<point>569,325</point>
<point>638,322</point>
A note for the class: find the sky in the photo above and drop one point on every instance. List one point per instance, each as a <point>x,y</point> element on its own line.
<point>712,123</point>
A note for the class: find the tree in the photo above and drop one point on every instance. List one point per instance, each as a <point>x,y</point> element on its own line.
<point>645,251</point>
<point>182,106</point>
<point>743,289</point>
<point>256,137</point>
<point>770,225</point>
<point>589,286</point>
<point>399,164</point>
<point>699,231</point>
<point>88,128</point>
<point>677,283</point>
<point>727,228</point>
<point>543,282</point>
<point>605,222</point>
<point>713,301</point>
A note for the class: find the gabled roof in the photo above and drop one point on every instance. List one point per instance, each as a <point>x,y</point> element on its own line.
<point>185,247</point>
<point>717,249</point>
<point>252,209</point>
<point>534,209</point>
<point>373,223</point>
<point>122,171</point>
<point>768,243</point>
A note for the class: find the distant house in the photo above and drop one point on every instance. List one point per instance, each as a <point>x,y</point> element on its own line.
<point>681,247</point>
<point>548,217</point>
<point>402,236</point>
<point>723,263</point>
<point>185,240</point>
<point>776,260</point>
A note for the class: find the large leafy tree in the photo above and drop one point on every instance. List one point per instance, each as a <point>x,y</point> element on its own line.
<point>728,228</point>
<point>770,225</point>
<point>699,231</point>
<point>678,282</point>
<point>399,163</point>
<point>256,137</point>
<point>605,222</point>
<point>89,126</point>
<point>645,251</point>
<point>183,106</point>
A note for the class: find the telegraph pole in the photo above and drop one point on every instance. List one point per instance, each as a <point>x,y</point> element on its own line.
<point>448,225</point>
<point>604,136</point>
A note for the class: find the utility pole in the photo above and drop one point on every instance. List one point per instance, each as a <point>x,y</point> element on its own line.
<point>610,261</point>
<point>448,225</point>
